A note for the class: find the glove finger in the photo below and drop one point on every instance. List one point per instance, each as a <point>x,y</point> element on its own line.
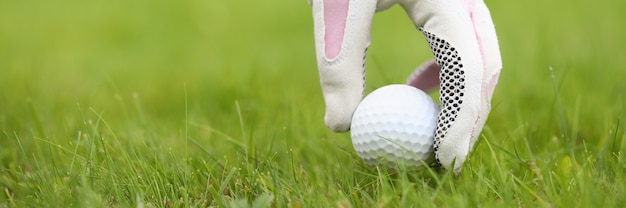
<point>425,77</point>
<point>488,43</point>
<point>449,31</point>
<point>342,29</point>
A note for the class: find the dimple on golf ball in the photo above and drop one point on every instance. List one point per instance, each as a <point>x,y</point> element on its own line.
<point>395,124</point>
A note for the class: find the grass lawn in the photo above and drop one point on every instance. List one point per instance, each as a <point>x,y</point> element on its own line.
<point>131,103</point>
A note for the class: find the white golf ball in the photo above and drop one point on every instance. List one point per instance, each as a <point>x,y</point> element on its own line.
<point>395,124</point>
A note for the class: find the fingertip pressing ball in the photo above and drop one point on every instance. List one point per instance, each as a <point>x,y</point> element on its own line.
<point>395,125</point>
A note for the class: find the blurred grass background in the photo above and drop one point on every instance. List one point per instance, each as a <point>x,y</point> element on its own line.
<point>236,76</point>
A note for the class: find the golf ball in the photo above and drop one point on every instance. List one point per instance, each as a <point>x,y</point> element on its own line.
<point>395,124</point>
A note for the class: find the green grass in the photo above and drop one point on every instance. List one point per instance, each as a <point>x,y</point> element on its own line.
<point>130,103</point>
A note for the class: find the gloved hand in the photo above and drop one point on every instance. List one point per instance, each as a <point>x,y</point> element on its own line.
<point>467,62</point>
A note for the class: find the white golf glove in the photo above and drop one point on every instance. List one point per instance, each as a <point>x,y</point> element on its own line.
<point>466,67</point>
